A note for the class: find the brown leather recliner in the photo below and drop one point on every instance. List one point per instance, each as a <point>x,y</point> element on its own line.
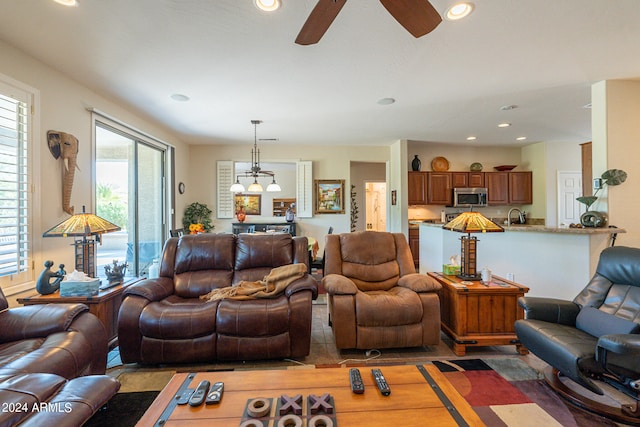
<point>163,320</point>
<point>376,299</point>
<point>50,355</point>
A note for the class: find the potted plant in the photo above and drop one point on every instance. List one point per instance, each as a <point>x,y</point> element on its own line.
<point>197,218</point>
<point>593,218</point>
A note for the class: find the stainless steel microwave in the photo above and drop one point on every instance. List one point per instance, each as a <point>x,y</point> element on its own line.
<point>469,197</point>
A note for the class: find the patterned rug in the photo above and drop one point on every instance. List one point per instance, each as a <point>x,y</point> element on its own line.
<point>508,392</point>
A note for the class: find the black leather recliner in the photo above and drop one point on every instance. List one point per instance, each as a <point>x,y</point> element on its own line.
<point>597,334</point>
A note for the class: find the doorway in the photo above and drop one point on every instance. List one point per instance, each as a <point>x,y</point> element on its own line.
<point>569,188</point>
<point>376,206</point>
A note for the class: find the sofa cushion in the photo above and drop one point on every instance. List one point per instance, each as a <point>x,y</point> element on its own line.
<point>253,318</point>
<point>398,306</point>
<point>204,252</point>
<point>597,323</point>
<point>177,318</point>
<point>263,250</point>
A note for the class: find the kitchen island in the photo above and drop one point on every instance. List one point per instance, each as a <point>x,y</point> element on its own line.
<point>551,261</point>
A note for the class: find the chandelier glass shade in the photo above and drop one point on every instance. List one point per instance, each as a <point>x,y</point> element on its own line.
<point>256,171</point>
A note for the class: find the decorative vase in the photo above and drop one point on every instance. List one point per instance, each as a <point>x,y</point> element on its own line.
<point>241,215</point>
<point>593,219</point>
<point>290,215</point>
<point>416,163</point>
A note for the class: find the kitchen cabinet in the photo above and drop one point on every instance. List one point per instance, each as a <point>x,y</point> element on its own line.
<point>467,179</point>
<point>439,188</point>
<point>497,184</point>
<point>509,188</point>
<point>417,188</point>
<point>414,245</point>
<point>520,188</point>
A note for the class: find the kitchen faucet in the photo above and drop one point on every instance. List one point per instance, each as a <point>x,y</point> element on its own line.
<point>521,218</point>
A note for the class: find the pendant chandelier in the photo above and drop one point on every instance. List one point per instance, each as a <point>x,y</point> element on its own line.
<point>256,171</point>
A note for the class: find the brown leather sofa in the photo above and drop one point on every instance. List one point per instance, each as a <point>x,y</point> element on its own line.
<point>376,299</point>
<point>50,358</point>
<point>163,320</point>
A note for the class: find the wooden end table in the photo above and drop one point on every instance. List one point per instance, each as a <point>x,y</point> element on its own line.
<point>104,306</point>
<point>474,314</point>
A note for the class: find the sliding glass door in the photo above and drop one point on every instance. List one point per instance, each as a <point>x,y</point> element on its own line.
<point>129,193</point>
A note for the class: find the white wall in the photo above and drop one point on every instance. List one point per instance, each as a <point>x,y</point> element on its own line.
<point>63,106</point>
<point>616,145</point>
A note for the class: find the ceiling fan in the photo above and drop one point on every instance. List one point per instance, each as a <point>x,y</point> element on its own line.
<point>418,17</point>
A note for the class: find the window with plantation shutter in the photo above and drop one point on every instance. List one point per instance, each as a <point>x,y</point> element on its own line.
<point>15,209</point>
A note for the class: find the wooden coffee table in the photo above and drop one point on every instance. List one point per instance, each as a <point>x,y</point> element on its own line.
<point>477,315</point>
<point>416,399</point>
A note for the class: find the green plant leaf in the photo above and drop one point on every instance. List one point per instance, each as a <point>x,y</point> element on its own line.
<point>614,176</point>
<point>587,200</point>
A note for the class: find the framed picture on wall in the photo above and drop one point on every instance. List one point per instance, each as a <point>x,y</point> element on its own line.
<point>250,202</point>
<point>329,196</point>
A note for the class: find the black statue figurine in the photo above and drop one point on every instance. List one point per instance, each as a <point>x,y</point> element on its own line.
<point>44,286</point>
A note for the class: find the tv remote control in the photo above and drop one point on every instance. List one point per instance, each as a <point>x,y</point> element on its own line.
<point>357,386</point>
<point>198,396</point>
<point>215,393</point>
<point>381,382</point>
<point>183,399</point>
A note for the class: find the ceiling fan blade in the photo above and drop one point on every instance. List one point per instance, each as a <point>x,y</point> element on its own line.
<point>418,17</point>
<point>319,21</point>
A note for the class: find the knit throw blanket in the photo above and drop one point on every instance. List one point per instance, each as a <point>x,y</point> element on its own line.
<point>271,286</point>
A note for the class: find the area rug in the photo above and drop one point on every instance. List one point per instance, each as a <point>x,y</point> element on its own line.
<point>508,392</point>
<point>123,410</point>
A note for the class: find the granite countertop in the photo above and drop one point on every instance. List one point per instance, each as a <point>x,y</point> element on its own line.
<point>525,228</point>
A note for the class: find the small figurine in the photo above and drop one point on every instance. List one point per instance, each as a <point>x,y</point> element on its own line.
<point>44,286</point>
<point>290,214</point>
<point>115,274</point>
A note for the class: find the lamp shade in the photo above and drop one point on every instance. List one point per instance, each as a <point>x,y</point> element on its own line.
<point>472,222</point>
<point>83,224</point>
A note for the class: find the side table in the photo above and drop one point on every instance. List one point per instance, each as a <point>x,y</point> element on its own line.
<point>478,314</point>
<point>104,306</point>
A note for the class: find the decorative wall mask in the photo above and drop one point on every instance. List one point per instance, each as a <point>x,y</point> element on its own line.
<point>64,145</point>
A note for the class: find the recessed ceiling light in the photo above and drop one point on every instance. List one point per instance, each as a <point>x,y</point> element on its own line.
<point>268,5</point>
<point>459,11</point>
<point>386,101</point>
<point>180,97</point>
<point>521,138</point>
<point>67,2</point>
<point>471,138</point>
<point>504,125</point>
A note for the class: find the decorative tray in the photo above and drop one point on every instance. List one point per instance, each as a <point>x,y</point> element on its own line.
<point>440,164</point>
<point>503,168</point>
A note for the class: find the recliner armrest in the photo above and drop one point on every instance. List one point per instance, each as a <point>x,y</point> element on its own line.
<point>622,344</point>
<point>335,284</point>
<point>152,289</point>
<point>419,283</point>
<point>34,321</point>
<point>550,310</point>
<point>306,283</point>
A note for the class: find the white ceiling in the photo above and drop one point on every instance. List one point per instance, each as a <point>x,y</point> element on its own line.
<point>237,63</point>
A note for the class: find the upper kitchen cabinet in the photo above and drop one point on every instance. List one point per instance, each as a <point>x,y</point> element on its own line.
<point>417,188</point>
<point>520,188</point>
<point>509,188</point>
<point>439,186</point>
<point>467,179</point>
